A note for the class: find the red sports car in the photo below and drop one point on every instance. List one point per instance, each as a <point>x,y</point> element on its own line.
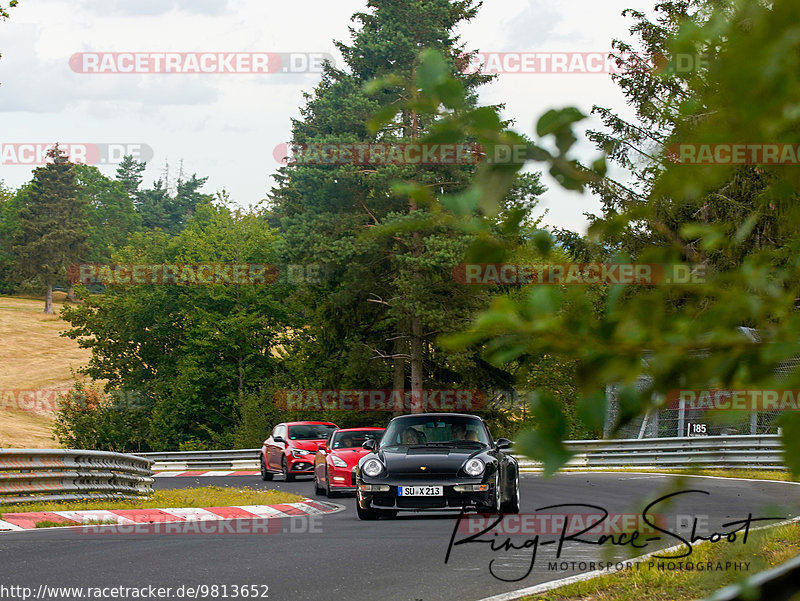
<point>336,460</point>
<point>291,448</point>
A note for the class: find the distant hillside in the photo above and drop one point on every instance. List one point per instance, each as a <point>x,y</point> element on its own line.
<point>33,358</point>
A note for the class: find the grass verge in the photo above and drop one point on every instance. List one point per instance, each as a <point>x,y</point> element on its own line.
<point>749,474</point>
<point>764,550</point>
<point>207,496</point>
<point>49,524</point>
<point>783,476</point>
<point>36,361</point>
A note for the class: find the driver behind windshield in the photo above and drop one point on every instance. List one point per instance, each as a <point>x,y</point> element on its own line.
<point>410,436</point>
<point>459,430</point>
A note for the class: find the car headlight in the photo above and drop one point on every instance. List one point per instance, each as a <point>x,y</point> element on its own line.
<point>338,461</point>
<point>474,467</point>
<point>372,468</point>
<point>297,453</point>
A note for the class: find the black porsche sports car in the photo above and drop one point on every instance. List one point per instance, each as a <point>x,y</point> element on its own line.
<point>436,461</point>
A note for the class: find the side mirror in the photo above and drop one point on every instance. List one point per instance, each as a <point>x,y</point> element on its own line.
<point>322,447</point>
<point>278,439</point>
<point>503,443</point>
<point>369,445</point>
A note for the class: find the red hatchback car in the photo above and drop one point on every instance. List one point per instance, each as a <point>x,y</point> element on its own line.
<point>291,448</point>
<point>335,462</point>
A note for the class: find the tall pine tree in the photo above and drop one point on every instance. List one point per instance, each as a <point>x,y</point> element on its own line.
<point>388,290</point>
<point>129,174</point>
<point>657,88</point>
<point>52,230</point>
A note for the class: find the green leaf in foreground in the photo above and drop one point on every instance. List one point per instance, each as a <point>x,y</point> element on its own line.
<point>555,121</point>
<point>791,443</point>
<point>545,443</point>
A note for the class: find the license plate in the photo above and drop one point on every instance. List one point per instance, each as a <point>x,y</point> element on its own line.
<point>420,491</point>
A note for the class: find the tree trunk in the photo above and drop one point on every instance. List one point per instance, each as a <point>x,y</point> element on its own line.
<point>399,378</point>
<point>416,366</point>
<point>71,294</point>
<point>48,300</point>
<point>416,324</point>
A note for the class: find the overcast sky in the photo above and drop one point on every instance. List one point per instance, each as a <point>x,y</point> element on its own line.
<point>225,126</point>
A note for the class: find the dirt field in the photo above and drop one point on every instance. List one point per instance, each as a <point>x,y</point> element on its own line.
<point>34,359</point>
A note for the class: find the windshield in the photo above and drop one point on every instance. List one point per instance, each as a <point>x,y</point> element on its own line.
<point>310,431</point>
<point>354,440</point>
<point>422,430</point>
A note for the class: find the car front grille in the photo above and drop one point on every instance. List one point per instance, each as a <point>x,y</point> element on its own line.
<point>450,499</point>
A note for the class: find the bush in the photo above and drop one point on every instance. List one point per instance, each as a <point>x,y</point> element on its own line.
<point>93,420</point>
<point>257,416</point>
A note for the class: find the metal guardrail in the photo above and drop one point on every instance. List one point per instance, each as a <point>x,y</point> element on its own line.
<point>231,455</point>
<point>30,475</point>
<point>776,584</point>
<point>746,452</point>
<point>237,459</point>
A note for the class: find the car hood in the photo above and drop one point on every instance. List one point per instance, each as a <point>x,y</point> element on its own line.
<point>307,445</point>
<point>350,456</point>
<point>435,460</point>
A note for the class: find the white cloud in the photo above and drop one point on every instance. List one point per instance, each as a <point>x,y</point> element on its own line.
<point>225,126</point>
<point>32,83</point>
<point>155,7</point>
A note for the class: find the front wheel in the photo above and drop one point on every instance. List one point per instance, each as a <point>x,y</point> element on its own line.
<point>328,492</point>
<point>494,507</point>
<point>265,475</point>
<point>318,490</point>
<point>366,514</point>
<point>374,514</point>
<point>285,469</point>
<point>512,504</point>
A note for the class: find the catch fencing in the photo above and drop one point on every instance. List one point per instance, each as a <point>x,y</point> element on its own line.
<point>679,419</point>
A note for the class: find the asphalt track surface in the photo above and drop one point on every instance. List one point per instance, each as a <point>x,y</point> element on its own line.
<point>341,557</point>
